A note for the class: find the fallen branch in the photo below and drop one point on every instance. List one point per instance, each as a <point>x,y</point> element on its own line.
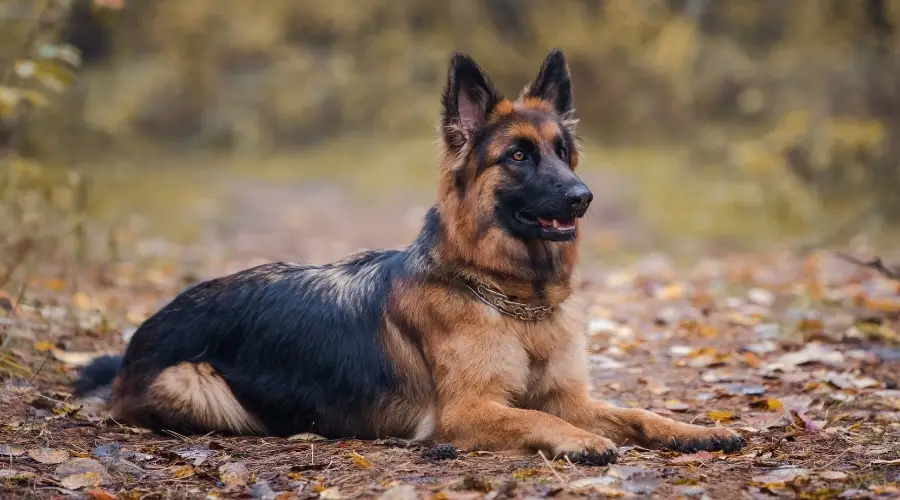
<point>875,264</point>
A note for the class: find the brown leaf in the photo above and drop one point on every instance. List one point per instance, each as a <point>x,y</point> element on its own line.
<point>78,481</point>
<point>100,494</point>
<point>781,476</point>
<point>11,450</point>
<point>234,474</point>
<point>48,456</point>
<point>833,475</point>
<point>694,457</point>
<point>331,493</point>
<point>803,422</point>
<point>78,473</point>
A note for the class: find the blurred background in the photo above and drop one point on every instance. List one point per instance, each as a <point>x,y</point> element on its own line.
<point>304,129</point>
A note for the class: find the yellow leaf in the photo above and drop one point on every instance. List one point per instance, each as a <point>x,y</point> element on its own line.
<point>35,98</point>
<point>360,461</point>
<point>135,318</point>
<point>182,472</point>
<point>56,284</point>
<point>769,404</point>
<point>81,300</point>
<point>525,473</point>
<point>43,346</point>
<point>721,416</point>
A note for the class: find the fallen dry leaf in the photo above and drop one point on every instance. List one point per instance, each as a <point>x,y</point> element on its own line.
<point>768,404</point>
<point>360,461</point>
<point>331,494</point>
<point>74,358</point>
<point>804,422</point>
<point>307,437</point>
<point>183,472</point>
<point>11,450</point>
<point>100,494</point>
<point>721,416</point>
<point>811,353</point>
<point>48,456</point>
<point>694,457</point>
<point>833,475</point>
<point>15,475</point>
<point>78,481</point>
<point>781,476</point>
<point>234,474</point>
<point>676,405</point>
<point>591,482</point>
<point>77,473</point>
<point>43,346</point>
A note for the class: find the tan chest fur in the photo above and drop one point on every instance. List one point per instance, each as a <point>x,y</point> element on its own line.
<point>525,361</point>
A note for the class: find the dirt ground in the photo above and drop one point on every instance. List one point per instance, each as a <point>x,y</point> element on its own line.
<point>800,354</point>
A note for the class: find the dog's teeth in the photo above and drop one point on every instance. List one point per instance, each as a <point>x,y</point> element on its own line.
<point>555,223</point>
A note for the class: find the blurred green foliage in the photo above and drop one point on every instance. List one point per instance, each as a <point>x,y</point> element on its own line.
<point>41,209</point>
<point>786,109</point>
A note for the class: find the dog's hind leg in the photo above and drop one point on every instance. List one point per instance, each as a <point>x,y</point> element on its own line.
<point>190,397</point>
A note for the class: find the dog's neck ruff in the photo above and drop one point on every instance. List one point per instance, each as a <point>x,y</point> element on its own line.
<point>506,306</point>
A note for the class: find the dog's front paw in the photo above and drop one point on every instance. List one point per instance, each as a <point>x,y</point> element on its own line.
<point>706,439</point>
<point>593,450</point>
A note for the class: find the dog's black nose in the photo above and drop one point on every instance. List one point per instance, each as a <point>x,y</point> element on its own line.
<point>579,197</point>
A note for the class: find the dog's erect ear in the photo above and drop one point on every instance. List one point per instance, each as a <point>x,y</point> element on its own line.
<point>553,84</point>
<point>468,99</point>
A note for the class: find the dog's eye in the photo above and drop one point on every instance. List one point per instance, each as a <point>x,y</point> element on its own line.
<point>563,153</point>
<point>517,155</point>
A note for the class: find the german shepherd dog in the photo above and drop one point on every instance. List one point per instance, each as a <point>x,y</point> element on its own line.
<point>468,336</point>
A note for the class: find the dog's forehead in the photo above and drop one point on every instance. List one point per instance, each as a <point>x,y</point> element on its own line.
<point>537,125</point>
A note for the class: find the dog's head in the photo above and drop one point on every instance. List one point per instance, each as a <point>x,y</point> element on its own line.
<point>511,164</point>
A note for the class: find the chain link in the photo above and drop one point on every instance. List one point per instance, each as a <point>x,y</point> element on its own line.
<point>509,307</point>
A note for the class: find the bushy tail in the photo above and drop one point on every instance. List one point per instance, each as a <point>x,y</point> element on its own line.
<point>99,374</point>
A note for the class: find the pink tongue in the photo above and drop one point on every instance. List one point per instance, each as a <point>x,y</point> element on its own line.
<point>545,222</point>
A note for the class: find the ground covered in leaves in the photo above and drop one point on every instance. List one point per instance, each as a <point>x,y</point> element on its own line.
<point>800,354</point>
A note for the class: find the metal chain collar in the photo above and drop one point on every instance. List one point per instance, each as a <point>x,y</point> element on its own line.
<point>509,307</point>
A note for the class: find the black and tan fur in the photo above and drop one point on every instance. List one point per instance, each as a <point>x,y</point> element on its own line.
<point>395,343</point>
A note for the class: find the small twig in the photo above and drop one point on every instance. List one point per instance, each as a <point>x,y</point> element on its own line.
<point>574,467</point>
<point>840,455</point>
<point>875,264</point>
<point>46,358</point>
<point>176,435</point>
<point>550,466</point>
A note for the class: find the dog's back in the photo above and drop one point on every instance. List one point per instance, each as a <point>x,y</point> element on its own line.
<point>275,349</point>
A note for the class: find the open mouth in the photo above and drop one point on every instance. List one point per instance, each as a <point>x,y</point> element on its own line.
<point>557,224</point>
<point>551,227</point>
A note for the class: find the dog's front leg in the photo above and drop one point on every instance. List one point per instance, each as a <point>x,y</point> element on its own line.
<point>640,427</point>
<point>491,425</point>
<point>476,374</point>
